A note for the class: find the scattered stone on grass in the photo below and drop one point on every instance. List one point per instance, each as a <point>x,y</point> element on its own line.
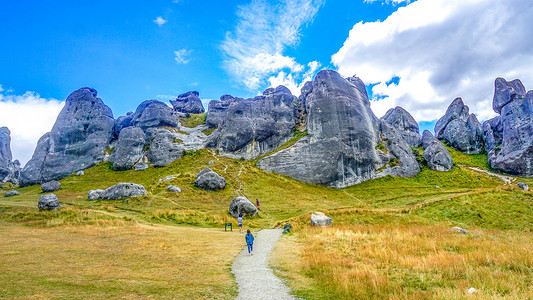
<point>320,219</point>
<point>209,180</point>
<point>174,189</point>
<point>11,193</point>
<point>523,186</point>
<point>242,204</point>
<point>50,186</point>
<point>80,173</point>
<point>459,229</point>
<point>48,202</point>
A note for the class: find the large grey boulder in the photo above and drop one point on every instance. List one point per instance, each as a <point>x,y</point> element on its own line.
<point>129,149</point>
<point>77,141</point>
<point>209,180</point>
<point>523,186</point>
<point>188,103</point>
<point>151,115</point>
<point>218,110</point>
<point>121,123</point>
<point>253,127</point>
<point>460,129</point>
<point>50,186</point>
<point>343,133</point>
<point>242,204</point>
<point>165,148</point>
<point>436,155</point>
<point>118,191</point>
<point>402,120</point>
<point>48,202</point>
<point>320,219</point>
<point>509,137</point>
<point>11,193</point>
<point>505,92</point>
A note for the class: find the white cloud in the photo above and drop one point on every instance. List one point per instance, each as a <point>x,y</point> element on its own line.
<point>441,49</point>
<point>294,82</point>
<point>394,2</point>
<point>182,56</point>
<point>160,21</point>
<point>254,49</point>
<point>28,117</point>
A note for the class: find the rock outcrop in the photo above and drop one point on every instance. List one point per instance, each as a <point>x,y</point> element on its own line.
<point>209,180</point>
<point>218,110</point>
<point>165,148</point>
<point>242,204</point>
<point>402,120</point>
<point>343,133</point>
<point>48,202</point>
<point>509,136</point>
<point>460,129</point>
<point>253,127</point>
<point>129,149</point>
<point>9,171</point>
<point>188,103</point>
<point>398,157</point>
<point>77,141</point>
<point>436,155</point>
<point>117,192</point>
<point>153,114</point>
<point>50,186</point>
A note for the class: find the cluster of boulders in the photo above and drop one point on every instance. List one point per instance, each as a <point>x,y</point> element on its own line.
<point>343,142</point>
<point>117,191</point>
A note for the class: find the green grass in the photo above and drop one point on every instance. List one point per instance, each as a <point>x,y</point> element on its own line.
<point>193,120</point>
<point>463,198</point>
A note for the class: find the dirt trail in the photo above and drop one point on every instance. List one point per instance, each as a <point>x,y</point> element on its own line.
<point>255,279</point>
<point>504,178</point>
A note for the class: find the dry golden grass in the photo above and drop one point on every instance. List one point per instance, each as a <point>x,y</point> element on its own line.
<point>406,262</point>
<point>128,261</point>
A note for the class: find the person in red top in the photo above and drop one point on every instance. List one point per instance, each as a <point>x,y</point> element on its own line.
<point>257,204</point>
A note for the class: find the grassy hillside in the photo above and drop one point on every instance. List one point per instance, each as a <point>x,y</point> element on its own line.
<point>390,236</point>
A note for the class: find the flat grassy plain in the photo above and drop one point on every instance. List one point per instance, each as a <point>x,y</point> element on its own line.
<point>391,236</point>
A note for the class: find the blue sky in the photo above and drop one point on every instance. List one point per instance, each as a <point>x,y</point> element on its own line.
<point>131,51</point>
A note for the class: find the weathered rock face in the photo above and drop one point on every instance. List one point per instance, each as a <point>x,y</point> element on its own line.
<point>122,122</point>
<point>77,141</point>
<point>153,114</point>
<point>255,126</point>
<point>320,219</point>
<point>402,120</point>
<point>399,159</point>
<point>129,149</point>
<point>165,148</point>
<point>50,186</point>
<point>459,129</point>
<point>218,110</point>
<point>509,137</point>
<point>242,204</point>
<point>9,171</point>
<point>505,92</point>
<point>118,191</point>
<point>5,152</point>
<point>343,132</point>
<point>209,180</point>
<point>436,155</point>
<point>188,103</point>
<point>48,202</point>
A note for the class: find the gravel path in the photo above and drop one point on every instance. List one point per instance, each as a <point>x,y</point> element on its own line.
<point>255,279</point>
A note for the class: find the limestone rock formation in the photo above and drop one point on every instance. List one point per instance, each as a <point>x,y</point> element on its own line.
<point>509,136</point>
<point>122,122</point>
<point>399,159</point>
<point>153,114</point>
<point>209,180</point>
<point>242,204</point>
<point>343,133</point>
<point>174,189</point>
<point>218,110</point>
<point>50,186</point>
<point>118,191</point>
<point>320,219</point>
<point>436,155</point>
<point>459,129</point>
<point>77,141</point>
<point>523,186</point>
<point>48,202</point>
<point>11,193</point>
<point>129,149</point>
<point>402,120</point>
<point>165,148</point>
<point>253,127</point>
<point>9,171</point>
<point>188,103</point>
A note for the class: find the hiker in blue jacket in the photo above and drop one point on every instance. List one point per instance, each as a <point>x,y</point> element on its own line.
<point>250,242</point>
